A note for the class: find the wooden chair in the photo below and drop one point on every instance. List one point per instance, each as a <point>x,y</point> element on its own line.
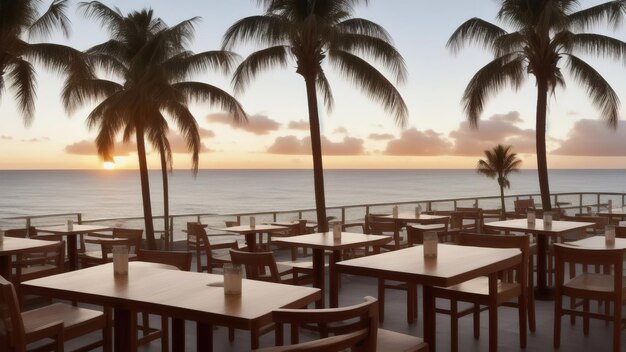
<point>352,328</point>
<point>473,215</point>
<point>609,286</point>
<point>386,227</point>
<point>198,243</point>
<point>37,263</point>
<point>521,206</point>
<point>415,232</point>
<point>513,284</point>
<point>620,232</point>
<point>120,237</point>
<point>180,260</point>
<point>59,322</point>
<point>21,233</point>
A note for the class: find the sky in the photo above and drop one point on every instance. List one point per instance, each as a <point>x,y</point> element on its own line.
<point>358,133</point>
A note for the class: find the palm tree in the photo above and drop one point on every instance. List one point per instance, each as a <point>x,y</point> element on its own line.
<point>310,31</point>
<point>19,19</point>
<point>499,162</point>
<point>150,60</point>
<point>545,34</point>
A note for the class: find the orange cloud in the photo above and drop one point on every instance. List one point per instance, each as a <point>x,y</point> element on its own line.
<point>299,125</point>
<point>178,144</point>
<point>291,145</point>
<point>86,147</point>
<point>257,124</point>
<point>417,143</point>
<point>594,138</point>
<point>498,129</point>
<point>340,130</point>
<point>205,133</point>
<point>380,136</point>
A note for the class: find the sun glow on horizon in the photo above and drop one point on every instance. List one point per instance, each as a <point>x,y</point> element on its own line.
<point>108,165</point>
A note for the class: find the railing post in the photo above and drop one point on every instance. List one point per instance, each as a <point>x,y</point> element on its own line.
<point>27,224</point>
<point>239,219</point>
<point>274,216</point>
<point>300,214</point>
<point>429,206</point>
<point>454,204</point>
<point>580,203</point>
<point>343,215</point>
<point>198,219</point>
<point>170,240</point>
<point>79,218</point>
<point>598,203</point>
<point>475,203</point>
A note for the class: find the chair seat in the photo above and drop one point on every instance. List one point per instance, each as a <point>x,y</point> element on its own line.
<point>429,227</point>
<point>220,256</point>
<point>394,341</point>
<point>593,282</point>
<point>29,270</point>
<point>76,321</point>
<point>480,287</point>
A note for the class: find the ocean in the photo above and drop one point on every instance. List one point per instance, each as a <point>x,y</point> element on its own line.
<point>116,193</point>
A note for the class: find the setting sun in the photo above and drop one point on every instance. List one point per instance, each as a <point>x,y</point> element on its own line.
<point>108,165</point>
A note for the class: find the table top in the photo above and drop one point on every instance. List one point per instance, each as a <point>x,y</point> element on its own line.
<point>243,229</point>
<point>179,294</point>
<point>598,242</point>
<point>13,245</point>
<point>76,229</point>
<point>291,223</point>
<point>454,264</point>
<point>522,225</point>
<point>324,240</point>
<point>408,216</point>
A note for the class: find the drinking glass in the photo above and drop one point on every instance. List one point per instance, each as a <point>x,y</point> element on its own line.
<point>120,260</point>
<point>430,244</point>
<point>232,279</point>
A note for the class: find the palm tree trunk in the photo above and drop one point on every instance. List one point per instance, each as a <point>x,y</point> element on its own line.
<point>503,214</point>
<point>316,150</point>
<point>542,165</point>
<point>145,187</point>
<point>166,196</point>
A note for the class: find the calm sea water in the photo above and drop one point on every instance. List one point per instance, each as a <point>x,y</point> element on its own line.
<point>104,194</point>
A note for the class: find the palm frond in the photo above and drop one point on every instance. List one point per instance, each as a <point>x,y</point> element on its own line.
<point>266,30</point>
<point>53,18</point>
<point>502,71</point>
<point>188,127</point>
<point>364,27</point>
<point>56,57</point>
<point>78,92</point>
<point>21,77</point>
<point>611,12</point>
<point>371,82</point>
<point>599,45</point>
<point>112,19</point>
<point>258,61</point>
<point>214,96</point>
<point>474,30</point>
<point>484,168</point>
<point>602,94</point>
<point>183,66</point>
<point>323,87</point>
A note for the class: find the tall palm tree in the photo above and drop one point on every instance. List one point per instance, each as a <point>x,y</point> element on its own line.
<point>20,20</point>
<point>545,34</point>
<point>499,163</point>
<point>150,60</point>
<point>310,31</point>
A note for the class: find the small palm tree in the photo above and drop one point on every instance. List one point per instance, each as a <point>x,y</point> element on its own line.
<point>310,31</point>
<point>150,60</point>
<point>19,19</point>
<point>499,163</point>
<point>546,33</point>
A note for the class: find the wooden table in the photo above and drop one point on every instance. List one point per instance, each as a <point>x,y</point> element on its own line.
<point>542,291</point>
<point>72,237</point>
<point>180,295</point>
<point>453,265</point>
<point>410,217</point>
<point>598,242</point>
<point>12,246</point>
<point>250,232</point>
<point>323,241</point>
<point>614,213</point>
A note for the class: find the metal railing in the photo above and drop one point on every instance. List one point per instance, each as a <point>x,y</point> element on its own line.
<point>569,201</point>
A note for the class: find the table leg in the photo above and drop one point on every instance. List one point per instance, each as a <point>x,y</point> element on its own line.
<point>542,291</point>
<point>204,337</point>
<point>318,272</point>
<point>178,334</point>
<point>493,312</point>
<point>251,241</point>
<point>5,267</point>
<point>430,331</point>
<point>72,250</point>
<point>123,330</point>
<point>334,280</point>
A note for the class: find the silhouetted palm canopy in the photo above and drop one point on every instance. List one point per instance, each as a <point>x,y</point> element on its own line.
<point>546,35</point>
<point>150,64</point>
<point>310,31</point>
<point>499,163</point>
<point>19,21</point>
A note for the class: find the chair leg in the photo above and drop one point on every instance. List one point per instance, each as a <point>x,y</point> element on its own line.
<point>532,324</point>
<point>476,321</point>
<point>522,320</point>
<point>145,323</point>
<point>381,300</point>
<point>294,251</point>
<point>586,317</point>
<point>231,334</point>
<point>617,325</point>
<point>557,319</point>
<point>165,334</point>
<point>107,332</point>
<point>572,305</point>
<point>454,326</point>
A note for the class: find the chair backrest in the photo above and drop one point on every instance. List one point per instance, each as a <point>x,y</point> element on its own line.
<point>231,223</point>
<point>21,233</point>
<point>522,242</point>
<point>523,205</point>
<point>620,231</point>
<point>417,235</point>
<point>198,243</point>
<point>51,258</point>
<point>181,260</point>
<point>599,221</point>
<point>259,265</point>
<point>611,260</point>
<point>384,226</point>
<point>11,323</point>
<point>355,326</point>
<point>106,247</point>
<point>132,235</point>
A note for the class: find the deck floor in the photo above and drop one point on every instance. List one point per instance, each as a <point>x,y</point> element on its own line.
<point>354,288</point>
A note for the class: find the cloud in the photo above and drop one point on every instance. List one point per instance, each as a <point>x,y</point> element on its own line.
<point>380,136</point>
<point>594,138</point>
<point>299,125</point>
<point>205,133</point>
<point>418,143</point>
<point>340,130</point>
<point>497,129</point>
<point>257,124</point>
<point>40,139</point>
<point>86,147</point>
<point>291,145</point>
<point>178,144</point>
<point>6,138</point>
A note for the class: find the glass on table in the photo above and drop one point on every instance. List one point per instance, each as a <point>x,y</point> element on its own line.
<point>120,260</point>
<point>232,279</point>
<point>431,239</point>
